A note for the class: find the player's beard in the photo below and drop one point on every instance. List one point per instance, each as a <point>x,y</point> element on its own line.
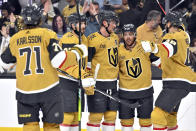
<point>130,43</point>
<point>155,26</point>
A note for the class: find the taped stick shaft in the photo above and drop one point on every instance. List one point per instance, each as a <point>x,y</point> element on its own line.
<point>134,105</point>
<point>96,71</point>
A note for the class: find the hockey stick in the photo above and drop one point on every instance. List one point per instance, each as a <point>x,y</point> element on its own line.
<point>79,82</point>
<point>161,7</point>
<point>135,105</point>
<point>176,5</point>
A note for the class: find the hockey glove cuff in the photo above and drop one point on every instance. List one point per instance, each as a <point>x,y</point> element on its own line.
<point>149,46</point>
<point>80,51</point>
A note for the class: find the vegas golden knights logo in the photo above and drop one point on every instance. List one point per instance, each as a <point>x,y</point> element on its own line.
<point>134,68</point>
<point>113,56</point>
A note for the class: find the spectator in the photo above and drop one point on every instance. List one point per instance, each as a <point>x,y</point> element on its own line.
<point>130,16</point>
<point>70,9</point>
<point>16,6</point>
<point>192,21</point>
<point>101,3</point>
<point>59,25</point>
<point>193,55</point>
<point>62,4</point>
<point>5,38</point>
<point>8,18</point>
<point>4,43</point>
<point>151,29</point>
<point>92,12</point>
<point>140,5</point>
<point>119,8</point>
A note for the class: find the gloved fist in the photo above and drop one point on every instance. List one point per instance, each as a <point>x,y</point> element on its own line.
<point>149,46</point>
<point>88,84</point>
<point>89,90</point>
<point>80,51</point>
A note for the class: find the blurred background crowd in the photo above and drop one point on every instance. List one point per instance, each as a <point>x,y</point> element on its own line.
<point>56,12</point>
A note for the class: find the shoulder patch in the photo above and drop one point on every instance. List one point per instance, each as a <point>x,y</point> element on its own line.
<point>70,35</point>
<point>92,36</point>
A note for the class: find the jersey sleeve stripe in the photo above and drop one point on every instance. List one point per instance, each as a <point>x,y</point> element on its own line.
<point>169,48</point>
<point>63,60</point>
<point>58,60</point>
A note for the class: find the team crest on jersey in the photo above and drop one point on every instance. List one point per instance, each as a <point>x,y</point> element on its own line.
<point>134,68</point>
<point>113,56</point>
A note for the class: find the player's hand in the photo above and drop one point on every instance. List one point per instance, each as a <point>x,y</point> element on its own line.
<point>88,84</point>
<point>89,90</point>
<point>80,51</point>
<point>149,46</point>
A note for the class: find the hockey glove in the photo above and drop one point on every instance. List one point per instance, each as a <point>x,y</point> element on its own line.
<point>149,46</point>
<point>80,51</point>
<point>88,84</point>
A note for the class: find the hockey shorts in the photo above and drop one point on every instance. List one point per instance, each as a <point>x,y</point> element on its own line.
<point>100,103</point>
<point>144,111</point>
<point>52,110</point>
<point>170,96</point>
<point>70,95</point>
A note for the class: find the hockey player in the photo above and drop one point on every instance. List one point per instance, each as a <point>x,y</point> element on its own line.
<point>177,77</point>
<point>36,54</point>
<point>135,82</point>
<point>69,85</point>
<point>151,29</point>
<point>103,49</point>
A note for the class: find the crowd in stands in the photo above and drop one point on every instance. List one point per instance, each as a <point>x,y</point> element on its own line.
<point>129,11</point>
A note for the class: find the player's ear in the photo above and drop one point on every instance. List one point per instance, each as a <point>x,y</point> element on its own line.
<point>105,23</point>
<point>73,26</point>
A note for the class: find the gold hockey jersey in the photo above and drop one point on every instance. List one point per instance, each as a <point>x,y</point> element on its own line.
<point>175,66</point>
<point>103,51</point>
<point>134,69</point>
<point>144,33</point>
<point>66,43</point>
<point>33,61</point>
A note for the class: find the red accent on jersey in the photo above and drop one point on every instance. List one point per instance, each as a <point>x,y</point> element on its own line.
<point>63,60</point>
<point>166,49</point>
